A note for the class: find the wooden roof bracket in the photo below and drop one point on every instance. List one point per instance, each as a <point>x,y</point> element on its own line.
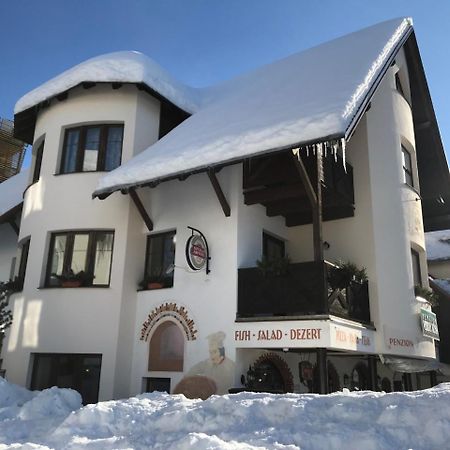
<point>140,207</point>
<point>220,195</point>
<point>315,198</point>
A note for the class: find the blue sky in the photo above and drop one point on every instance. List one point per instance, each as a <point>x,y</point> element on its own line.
<point>202,41</point>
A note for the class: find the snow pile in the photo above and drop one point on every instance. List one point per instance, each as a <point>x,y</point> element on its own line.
<point>369,420</point>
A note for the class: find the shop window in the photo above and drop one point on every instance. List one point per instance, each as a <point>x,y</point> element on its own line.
<point>167,348</point>
<point>407,167</point>
<point>38,162</point>
<point>92,148</point>
<point>80,258</point>
<point>273,248</point>
<point>159,261</point>
<point>75,371</point>
<point>415,257</point>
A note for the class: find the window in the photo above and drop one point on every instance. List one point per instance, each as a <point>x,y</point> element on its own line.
<point>416,268</point>
<point>159,261</point>
<point>76,371</point>
<point>92,148</point>
<point>38,162</point>
<point>22,257</point>
<point>273,248</point>
<point>157,384</point>
<point>407,167</point>
<point>80,258</point>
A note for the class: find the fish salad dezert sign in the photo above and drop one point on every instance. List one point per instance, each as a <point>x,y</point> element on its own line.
<point>197,252</point>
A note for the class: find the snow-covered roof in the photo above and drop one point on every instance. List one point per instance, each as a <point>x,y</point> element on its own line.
<point>438,245</point>
<point>311,96</point>
<point>124,67</point>
<point>307,97</point>
<point>11,192</point>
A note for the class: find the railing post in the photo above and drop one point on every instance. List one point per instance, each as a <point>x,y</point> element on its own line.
<point>322,369</point>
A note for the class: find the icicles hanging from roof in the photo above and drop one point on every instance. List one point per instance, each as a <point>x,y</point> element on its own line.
<point>335,147</point>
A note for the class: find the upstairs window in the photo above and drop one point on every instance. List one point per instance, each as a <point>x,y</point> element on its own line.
<point>407,167</point>
<point>273,248</point>
<point>415,257</point>
<point>38,162</point>
<point>80,258</point>
<point>92,148</point>
<point>159,261</point>
<point>20,269</point>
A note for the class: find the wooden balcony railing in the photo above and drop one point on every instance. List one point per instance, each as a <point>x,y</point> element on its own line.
<point>304,290</point>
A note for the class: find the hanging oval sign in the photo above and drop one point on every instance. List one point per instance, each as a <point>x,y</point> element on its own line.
<point>196,252</point>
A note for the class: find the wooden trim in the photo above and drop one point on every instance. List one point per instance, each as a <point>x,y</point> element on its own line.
<point>220,195</point>
<point>140,207</point>
<point>310,192</point>
<point>14,226</point>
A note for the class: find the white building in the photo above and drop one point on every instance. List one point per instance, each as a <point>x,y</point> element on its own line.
<point>235,164</point>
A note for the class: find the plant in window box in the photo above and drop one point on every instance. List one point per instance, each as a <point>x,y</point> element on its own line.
<point>15,285</point>
<point>72,279</point>
<point>428,294</point>
<point>275,267</point>
<point>344,273</point>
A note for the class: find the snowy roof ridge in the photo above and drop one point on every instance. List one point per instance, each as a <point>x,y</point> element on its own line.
<point>123,66</point>
<point>11,191</point>
<point>296,100</point>
<point>437,247</point>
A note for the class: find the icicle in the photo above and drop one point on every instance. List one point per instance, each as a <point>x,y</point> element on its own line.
<point>326,149</point>
<point>307,151</point>
<point>335,149</point>
<point>314,149</point>
<point>343,154</point>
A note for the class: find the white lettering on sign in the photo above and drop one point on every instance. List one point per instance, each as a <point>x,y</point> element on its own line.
<point>351,338</point>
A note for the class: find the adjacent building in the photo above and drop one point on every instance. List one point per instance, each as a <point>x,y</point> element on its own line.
<point>266,233</point>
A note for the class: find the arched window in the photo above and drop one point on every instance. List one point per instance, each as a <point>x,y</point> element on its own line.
<point>167,348</point>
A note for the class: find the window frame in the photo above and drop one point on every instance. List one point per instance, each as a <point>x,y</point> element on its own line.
<point>416,265</point>
<point>24,247</point>
<point>146,264</point>
<point>266,238</point>
<point>407,172</point>
<point>38,162</point>
<point>68,255</point>
<point>80,151</point>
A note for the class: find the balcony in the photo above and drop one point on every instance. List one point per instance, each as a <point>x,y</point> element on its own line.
<point>303,291</point>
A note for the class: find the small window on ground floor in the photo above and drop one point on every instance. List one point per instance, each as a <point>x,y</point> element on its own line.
<point>75,371</point>
<point>416,268</point>
<point>153,384</point>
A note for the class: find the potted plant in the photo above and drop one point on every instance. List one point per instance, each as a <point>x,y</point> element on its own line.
<point>428,294</point>
<point>275,267</point>
<point>344,273</point>
<point>72,279</point>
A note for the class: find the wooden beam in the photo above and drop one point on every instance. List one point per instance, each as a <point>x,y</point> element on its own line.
<point>116,85</point>
<point>14,226</point>
<point>314,192</point>
<point>140,207</point>
<point>88,84</point>
<point>220,195</point>
<point>273,194</point>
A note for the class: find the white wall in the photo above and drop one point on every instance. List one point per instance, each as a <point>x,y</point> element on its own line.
<point>79,320</point>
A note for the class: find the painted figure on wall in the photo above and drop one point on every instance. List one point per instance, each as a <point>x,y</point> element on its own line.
<point>217,369</point>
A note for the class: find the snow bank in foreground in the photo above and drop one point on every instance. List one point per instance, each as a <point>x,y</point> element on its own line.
<point>364,420</point>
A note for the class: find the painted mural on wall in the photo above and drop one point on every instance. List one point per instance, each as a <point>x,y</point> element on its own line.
<point>173,311</point>
<point>213,375</point>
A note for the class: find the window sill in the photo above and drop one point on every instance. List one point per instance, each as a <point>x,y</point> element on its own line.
<point>412,188</point>
<point>154,289</point>
<point>80,172</point>
<point>100,286</point>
